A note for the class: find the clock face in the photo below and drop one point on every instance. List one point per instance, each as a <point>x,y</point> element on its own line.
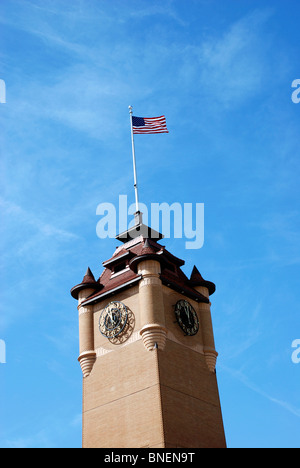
<point>113,319</point>
<point>186,317</point>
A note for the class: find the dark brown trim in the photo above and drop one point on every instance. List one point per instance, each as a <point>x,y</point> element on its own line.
<point>110,292</point>
<point>196,296</point>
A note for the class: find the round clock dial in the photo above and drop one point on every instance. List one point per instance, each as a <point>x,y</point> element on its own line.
<point>113,319</point>
<point>186,317</point>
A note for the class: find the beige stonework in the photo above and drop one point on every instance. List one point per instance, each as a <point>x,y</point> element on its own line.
<point>122,404</point>
<point>86,361</point>
<point>153,386</point>
<point>152,314</point>
<point>87,355</point>
<point>154,336</point>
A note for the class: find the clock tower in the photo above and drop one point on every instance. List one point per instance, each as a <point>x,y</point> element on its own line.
<point>147,350</point>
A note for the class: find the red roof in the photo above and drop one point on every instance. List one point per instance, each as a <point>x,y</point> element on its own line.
<point>120,271</point>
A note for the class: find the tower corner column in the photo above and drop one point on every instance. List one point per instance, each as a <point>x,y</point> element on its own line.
<point>207,330</point>
<point>87,354</point>
<point>153,331</point>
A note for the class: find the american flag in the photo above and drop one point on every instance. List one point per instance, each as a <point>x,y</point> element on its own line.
<point>149,124</point>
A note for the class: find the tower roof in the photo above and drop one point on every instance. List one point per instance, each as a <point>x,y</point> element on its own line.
<point>88,282</point>
<point>148,252</point>
<point>121,272</point>
<point>88,277</point>
<point>196,279</point>
<point>139,230</point>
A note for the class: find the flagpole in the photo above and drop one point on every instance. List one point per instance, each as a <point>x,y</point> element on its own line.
<point>134,164</point>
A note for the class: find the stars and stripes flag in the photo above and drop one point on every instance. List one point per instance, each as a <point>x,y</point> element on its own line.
<point>149,125</point>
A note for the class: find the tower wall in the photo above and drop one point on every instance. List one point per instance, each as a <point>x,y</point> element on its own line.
<point>122,400</point>
<point>190,400</point>
<point>160,398</point>
<point>153,385</point>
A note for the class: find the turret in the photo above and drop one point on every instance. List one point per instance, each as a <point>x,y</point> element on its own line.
<point>81,292</point>
<point>206,288</point>
<point>148,266</point>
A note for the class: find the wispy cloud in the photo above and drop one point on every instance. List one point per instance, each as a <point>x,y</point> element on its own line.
<point>85,92</point>
<point>22,217</point>
<point>28,244</point>
<point>43,433</point>
<point>252,386</point>
<point>163,9</point>
<point>234,65</point>
<point>280,231</point>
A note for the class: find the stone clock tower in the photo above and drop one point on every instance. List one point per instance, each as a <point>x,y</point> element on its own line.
<point>147,351</point>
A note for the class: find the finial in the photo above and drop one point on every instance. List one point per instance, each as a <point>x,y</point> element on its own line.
<point>138,218</point>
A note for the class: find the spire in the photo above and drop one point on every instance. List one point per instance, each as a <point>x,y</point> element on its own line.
<point>197,280</point>
<point>148,249</point>
<point>88,282</point>
<point>88,277</point>
<point>196,276</point>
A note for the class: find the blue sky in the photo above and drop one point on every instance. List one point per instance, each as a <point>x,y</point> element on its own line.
<point>221,72</point>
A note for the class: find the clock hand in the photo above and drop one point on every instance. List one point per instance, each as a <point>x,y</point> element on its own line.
<point>113,317</point>
<point>110,317</point>
<point>187,311</point>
